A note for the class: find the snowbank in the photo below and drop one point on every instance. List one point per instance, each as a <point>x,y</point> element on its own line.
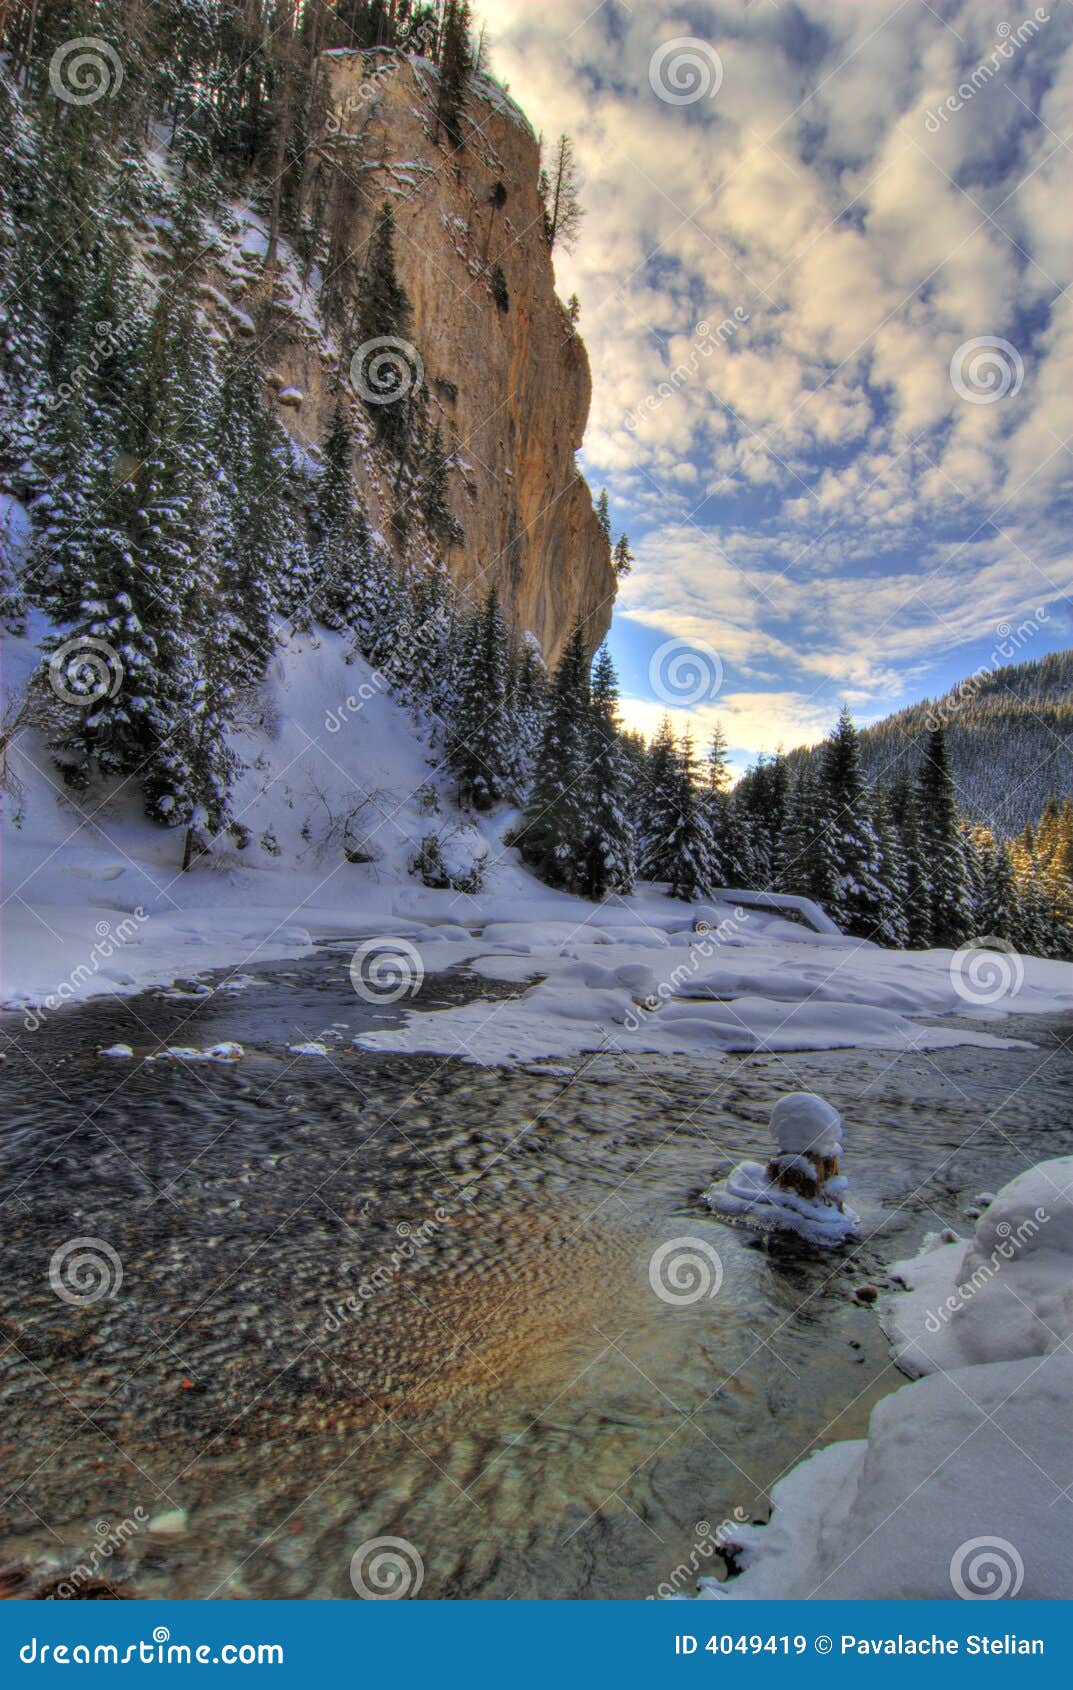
<point>1006,1294</point>
<point>955,1493</point>
<point>960,1489</point>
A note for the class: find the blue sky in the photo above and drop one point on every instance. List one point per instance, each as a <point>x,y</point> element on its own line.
<point>823,275</point>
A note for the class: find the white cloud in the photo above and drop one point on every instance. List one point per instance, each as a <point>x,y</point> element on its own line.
<point>860,241</point>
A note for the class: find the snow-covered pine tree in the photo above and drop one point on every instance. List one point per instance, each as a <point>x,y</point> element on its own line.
<point>997,909</point>
<point>725,866</point>
<point>762,801</point>
<point>186,770</point>
<point>733,844</point>
<point>658,800</point>
<point>340,558</point>
<point>893,928</point>
<point>942,851</point>
<point>381,607</point>
<point>529,703</point>
<point>481,736</point>
<point>809,866</point>
<point>429,639</point>
<point>433,498</point>
<point>691,850</point>
<point>904,812</point>
<point>861,899</point>
<point>555,823</point>
<point>455,65</point>
<point>24,339</point>
<point>259,541</point>
<point>608,853</point>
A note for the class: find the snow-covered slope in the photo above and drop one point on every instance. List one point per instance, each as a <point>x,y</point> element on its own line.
<point>339,789</point>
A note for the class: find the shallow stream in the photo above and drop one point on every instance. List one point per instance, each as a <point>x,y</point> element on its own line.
<point>365,1296</point>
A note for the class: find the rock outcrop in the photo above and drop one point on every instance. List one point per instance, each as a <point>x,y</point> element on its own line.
<point>505,372</point>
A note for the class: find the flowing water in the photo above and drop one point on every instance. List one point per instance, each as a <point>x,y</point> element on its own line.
<point>365,1296</point>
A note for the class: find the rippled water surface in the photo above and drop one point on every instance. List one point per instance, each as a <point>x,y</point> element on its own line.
<point>367,1296</point>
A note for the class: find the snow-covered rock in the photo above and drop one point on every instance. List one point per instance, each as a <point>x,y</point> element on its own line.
<point>800,1190</point>
<point>226,1051</point>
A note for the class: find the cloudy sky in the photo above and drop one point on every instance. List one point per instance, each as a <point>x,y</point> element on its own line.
<point>822,278</point>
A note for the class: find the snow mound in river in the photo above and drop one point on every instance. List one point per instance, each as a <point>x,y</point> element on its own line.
<point>801,1188</point>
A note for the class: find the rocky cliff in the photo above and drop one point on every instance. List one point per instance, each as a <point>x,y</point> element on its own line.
<point>504,372</point>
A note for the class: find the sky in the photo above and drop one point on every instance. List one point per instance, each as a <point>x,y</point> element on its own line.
<point>822,277</point>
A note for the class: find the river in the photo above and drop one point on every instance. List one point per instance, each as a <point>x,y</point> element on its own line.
<point>366,1296</point>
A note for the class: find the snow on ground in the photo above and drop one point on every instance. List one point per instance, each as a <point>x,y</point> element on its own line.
<point>961,1488</point>
<point>338,791</point>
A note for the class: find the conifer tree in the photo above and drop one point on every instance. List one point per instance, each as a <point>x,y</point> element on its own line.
<point>622,557</point>
<point>917,897</point>
<point>608,852</point>
<point>340,560</point>
<point>431,633</point>
<point>861,900</point>
<point>529,703</point>
<point>809,863</point>
<point>384,314</point>
<point>691,849</point>
<point>997,911</point>
<point>481,739</point>
<point>892,927</point>
<point>562,201</point>
<point>455,64</point>
<point>433,491</point>
<point>949,906</point>
<point>658,806</point>
<point>555,823</point>
<point>262,557</point>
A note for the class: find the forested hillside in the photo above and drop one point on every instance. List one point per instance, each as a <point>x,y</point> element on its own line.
<point>1009,736</point>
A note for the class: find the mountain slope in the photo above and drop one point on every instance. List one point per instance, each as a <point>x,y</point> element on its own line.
<point>1009,734</point>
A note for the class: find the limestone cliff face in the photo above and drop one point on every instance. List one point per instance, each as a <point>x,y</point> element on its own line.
<point>507,377</point>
